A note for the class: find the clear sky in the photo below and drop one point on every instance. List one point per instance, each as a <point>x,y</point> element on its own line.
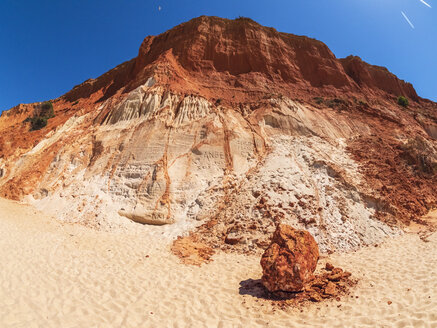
<point>49,46</point>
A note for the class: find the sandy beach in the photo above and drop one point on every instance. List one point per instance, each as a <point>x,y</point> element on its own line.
<point>58,275</point>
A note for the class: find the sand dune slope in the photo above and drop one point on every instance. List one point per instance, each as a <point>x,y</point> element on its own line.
<point>54,275</point>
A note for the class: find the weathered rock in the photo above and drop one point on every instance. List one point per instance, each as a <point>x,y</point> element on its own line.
<point>233,238</point>
<point>290,260</point>
<point>191,251</point>
<point>147,217</point>
<point>336,274</point>
<point>315,297</point>
<point>329,266</point>
<point>330,289</point>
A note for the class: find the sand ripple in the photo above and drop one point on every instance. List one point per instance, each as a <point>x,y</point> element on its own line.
<point>53,275</point>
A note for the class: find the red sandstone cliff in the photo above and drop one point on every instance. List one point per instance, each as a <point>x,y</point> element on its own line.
<point>209,54</point>
<point>217,94</point>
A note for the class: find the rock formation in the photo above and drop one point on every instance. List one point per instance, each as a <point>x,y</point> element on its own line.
<point>290,260</point>
<point>227,127</point>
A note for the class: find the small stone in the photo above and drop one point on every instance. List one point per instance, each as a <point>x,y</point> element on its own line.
<point>232,238</point>
<point>309,289</point>
<point>347,274</point>
<point>318,283</point>
<point>330,289</point>
<point>337,270</point>
<point>335,277</point>
<point>329,266</point>
<point>315,297</point>
<point>389,302</point>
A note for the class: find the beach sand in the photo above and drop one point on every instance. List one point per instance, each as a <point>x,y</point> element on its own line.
<point>58,275</point>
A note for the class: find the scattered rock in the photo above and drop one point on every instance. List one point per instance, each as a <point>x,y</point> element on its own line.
<point>318,283</point>
<point>315,297</point>
<point>290,260</point>
<point>329,266</point>
<point>233,238</point>
<point>318,289</point>
<point>191,251</point>
<point>330,289</point>
<point>147,217</point>
<point>335,277</point>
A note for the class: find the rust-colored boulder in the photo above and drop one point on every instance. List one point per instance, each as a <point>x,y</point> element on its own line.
<point>290,260</point>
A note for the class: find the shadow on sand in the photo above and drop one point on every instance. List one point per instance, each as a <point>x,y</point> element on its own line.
<point>255,288</point>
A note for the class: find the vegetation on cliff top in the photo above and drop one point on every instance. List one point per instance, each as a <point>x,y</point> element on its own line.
<point>41,116</point>
<point>403,101</point>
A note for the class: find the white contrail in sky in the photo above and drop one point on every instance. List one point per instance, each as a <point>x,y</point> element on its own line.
<point>406,18</point>
<point>426,4</point>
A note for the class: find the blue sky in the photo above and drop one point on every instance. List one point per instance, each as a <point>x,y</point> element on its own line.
<point>49,46</point>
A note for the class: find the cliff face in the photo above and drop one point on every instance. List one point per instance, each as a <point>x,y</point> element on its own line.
<point>376,78</point>
<point>232,127</point>
<point>226,59</point>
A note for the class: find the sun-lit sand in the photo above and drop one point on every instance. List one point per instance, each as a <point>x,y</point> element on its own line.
<point>58,275</point>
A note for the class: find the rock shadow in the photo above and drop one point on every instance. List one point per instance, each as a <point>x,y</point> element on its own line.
<point>255,288</point>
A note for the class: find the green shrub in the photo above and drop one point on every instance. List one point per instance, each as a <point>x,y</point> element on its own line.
<point>363,103</point>
<point>47,110</point>
<point>41,116</point>
<point>403,101</point>
<point>336,102</point>
<point>37,123</point>
<point>319,100</point>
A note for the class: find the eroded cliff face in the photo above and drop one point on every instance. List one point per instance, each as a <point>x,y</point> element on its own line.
<point>231,127</point>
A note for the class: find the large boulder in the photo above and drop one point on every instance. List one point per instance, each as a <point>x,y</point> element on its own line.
<point>290,260</point>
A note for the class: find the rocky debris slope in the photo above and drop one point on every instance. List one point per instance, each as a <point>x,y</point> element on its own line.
<point>305,182</point>
<point>199,134</point>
